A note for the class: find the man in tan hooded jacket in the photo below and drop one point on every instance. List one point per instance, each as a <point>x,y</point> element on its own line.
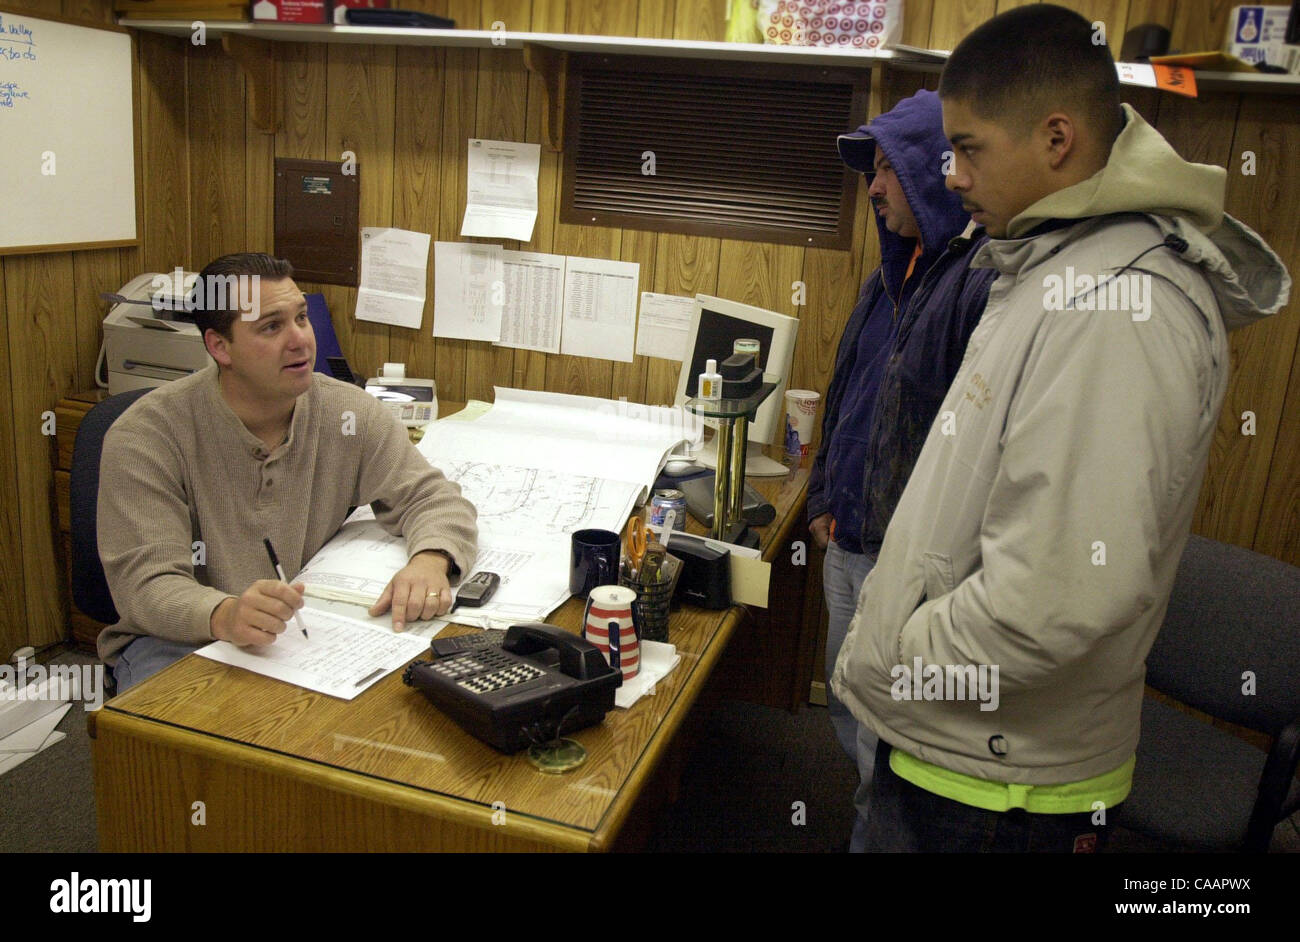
<point>998,646</point>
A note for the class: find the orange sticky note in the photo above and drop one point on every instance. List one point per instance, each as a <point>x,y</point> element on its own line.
<point>1176,79</point>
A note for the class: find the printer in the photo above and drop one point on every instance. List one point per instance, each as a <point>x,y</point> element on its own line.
<point>151,339</point>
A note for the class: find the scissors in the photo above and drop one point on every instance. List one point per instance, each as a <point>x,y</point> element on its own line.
<point>635,542</point>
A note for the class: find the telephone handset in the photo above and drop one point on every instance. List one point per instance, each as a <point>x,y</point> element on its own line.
<point>532,685</point>
<point>578,657</point>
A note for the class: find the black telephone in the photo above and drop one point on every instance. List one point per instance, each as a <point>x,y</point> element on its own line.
<point>532,685</point>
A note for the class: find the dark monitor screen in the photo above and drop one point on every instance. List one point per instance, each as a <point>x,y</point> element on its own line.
<point>714,340</point>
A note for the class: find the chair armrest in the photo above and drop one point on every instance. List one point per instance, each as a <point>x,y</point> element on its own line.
<point>1274,785</point>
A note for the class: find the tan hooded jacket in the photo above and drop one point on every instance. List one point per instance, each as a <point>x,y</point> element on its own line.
<point>1044,521</point>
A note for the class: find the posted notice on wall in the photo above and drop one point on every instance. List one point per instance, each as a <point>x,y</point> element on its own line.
<point>502,190</point>
<point>534,299</point>
<point>394,267</point>
<point>600,308</point>
<point>665,325</point>
<point>468,291</point>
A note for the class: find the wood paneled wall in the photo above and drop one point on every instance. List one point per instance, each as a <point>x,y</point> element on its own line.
<point>406,112</point>
<point>50,332</point>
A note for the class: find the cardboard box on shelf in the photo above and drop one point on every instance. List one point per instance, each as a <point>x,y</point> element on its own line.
<point>291,11</point>
<point>1257,34</point>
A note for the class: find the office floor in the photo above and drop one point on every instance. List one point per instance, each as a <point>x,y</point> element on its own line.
<point>778,757</point>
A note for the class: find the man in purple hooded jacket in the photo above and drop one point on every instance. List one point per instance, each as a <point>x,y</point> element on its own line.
<point>899,352</point>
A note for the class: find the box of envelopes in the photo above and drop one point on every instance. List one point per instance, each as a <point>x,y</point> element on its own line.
<point>291,11</point>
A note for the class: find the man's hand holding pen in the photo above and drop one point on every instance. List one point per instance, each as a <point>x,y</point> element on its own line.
<point>257,616</point>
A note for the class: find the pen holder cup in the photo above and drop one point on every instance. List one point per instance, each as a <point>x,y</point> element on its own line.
<point>650,610</point>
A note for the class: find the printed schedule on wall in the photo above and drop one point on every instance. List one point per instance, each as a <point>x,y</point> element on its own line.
<point>67,122</point>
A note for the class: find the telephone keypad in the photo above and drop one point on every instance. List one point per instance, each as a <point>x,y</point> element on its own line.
<point>506,677</point>
<point>485,670</point>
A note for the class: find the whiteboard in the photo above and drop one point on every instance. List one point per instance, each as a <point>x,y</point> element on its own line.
<point>68,176</point>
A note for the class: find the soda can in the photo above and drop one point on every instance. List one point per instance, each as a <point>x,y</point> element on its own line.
<point>663,501</point>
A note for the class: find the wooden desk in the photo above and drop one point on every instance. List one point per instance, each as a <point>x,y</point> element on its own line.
<point>280,768</point>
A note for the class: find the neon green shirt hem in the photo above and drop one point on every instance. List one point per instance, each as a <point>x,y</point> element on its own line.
<point>1109,788</point>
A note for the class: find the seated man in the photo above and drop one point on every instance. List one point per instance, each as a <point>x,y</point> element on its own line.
<point>195,474</point>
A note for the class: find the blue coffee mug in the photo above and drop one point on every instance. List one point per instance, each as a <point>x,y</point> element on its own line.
<point>593,560</point>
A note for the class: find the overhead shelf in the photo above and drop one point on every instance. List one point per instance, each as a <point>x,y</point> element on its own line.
<point>505,39</point>
<point>546,54</point>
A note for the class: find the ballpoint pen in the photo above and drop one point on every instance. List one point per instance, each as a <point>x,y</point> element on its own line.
<point>279,571</point>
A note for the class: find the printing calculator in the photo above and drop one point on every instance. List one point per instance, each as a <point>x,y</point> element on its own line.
<point>413,401</point>
<point>513,689</point>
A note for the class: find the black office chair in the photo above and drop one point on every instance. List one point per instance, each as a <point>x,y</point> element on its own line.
<point>1197,786</point>
<point>89,587</point>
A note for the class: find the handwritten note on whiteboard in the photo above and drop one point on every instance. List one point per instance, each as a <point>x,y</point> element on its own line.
<point>68,173</point>
<point>342,657</point>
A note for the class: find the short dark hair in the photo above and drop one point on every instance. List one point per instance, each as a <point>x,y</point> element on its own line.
<point>214,281</point>
<point>1018,66</point>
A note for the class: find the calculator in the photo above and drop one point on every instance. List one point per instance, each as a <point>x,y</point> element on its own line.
<point>413,402</point>
<point>513,689</point>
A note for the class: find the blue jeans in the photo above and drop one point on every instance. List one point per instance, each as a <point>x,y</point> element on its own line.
<point>146,656</point>
<point>842,578</point>
<point>908,819</point>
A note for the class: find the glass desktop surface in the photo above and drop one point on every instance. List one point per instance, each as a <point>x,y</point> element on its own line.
<point>391,734</point>
<point>731,408</point>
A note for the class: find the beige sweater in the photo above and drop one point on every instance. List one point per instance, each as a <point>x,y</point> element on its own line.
<point>187,493</point>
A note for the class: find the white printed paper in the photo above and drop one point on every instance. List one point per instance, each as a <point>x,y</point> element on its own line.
<point>468,291</point>
<point>357,563</point>
<point>536,466</point>
<point>664,328</point>
<point>502,190</point>
<point>1136,73</point>
<point>534,299</point>
<point>394,265</point>
<point>600,308</point>
<point>342,657</point>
